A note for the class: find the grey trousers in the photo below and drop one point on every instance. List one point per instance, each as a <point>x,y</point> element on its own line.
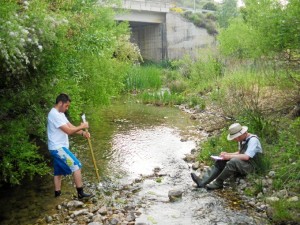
<point>235,166</point>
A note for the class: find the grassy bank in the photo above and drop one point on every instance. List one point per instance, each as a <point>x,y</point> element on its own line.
<point>259,96</point>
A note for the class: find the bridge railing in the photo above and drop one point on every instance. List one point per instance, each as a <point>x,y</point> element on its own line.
<point>158,6</point>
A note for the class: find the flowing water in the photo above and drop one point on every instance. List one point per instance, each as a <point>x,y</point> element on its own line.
<point>131,141</point>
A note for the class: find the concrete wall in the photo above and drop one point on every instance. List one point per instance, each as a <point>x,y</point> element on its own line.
<point>163,36</point>
<point>151,40</point>
<point>158,6</point>
<point>183,37</point>
<point>142,16</point>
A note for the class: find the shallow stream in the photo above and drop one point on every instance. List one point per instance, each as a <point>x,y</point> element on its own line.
<point>131,141</point>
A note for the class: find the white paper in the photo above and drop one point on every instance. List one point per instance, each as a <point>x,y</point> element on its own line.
<point>216,157</point>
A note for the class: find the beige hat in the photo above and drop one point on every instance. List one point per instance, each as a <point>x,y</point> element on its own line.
<point>236,130</point>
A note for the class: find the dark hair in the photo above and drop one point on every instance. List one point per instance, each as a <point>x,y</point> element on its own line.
<point>64,98</point>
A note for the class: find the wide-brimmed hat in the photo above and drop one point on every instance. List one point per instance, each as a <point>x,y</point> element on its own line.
<point>235,130</point>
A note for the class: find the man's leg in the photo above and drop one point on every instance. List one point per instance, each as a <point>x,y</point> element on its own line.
<point>78,182</point>
<point>210,174</point>
<point>77,178</point>
<point>57,185</point>
<point>232,167</point>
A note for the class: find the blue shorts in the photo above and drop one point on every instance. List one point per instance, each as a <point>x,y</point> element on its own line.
<point>64,162</point>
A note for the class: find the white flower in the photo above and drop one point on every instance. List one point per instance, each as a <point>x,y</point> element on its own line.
<point>24,31</point>
<point>26,3</point>
<point>40,47</point>
<point>12,34</point>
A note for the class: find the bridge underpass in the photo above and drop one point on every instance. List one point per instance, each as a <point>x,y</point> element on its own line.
<point>148,29</point>
<point>160,34</point>
<point>151,39</point>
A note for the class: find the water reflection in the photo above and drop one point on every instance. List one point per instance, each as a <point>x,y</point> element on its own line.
<point>139,151</point>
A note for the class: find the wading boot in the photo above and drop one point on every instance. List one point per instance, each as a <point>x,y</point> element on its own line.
<point>82,195</point>
<point>209,176</point>
<point>218,183</point>
<point>57,193</point>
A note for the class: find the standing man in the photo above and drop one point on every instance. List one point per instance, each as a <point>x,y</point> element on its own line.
<point>242,162</point>
<point>58,129</point>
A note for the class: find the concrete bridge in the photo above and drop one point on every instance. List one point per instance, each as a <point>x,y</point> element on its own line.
<point>160,33</point>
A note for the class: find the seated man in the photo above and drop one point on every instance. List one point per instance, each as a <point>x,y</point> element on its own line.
<point>242,162</point>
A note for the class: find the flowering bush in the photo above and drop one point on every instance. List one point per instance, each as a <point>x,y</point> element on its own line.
<point>48,47</point>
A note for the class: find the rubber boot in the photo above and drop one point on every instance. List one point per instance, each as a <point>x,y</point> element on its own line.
<point>218,183</point>
<point>57,193</point>
<point>209,176</point>
<point>82,195</point>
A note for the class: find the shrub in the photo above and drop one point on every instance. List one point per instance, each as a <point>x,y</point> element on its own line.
<point>49,47</point>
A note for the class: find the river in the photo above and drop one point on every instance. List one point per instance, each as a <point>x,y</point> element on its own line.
<point>130,141</point>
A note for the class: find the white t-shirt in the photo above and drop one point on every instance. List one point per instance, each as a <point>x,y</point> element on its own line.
<point>56,137</point>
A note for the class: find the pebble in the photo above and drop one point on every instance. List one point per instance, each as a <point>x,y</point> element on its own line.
<point>174,195</point>
<point>49,219</point>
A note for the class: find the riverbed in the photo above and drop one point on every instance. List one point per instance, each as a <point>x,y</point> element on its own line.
<point>134,142</point>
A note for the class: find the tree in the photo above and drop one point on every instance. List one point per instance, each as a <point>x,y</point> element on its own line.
<point>266,28</point>
<point>227,11</point>
<point>210,6</point>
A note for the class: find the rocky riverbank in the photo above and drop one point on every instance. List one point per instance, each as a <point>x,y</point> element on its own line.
<point>168,195</point>
<point>212,120</point>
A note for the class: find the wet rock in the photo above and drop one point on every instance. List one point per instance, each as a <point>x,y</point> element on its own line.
<point>174,195</point>
<point>156,169</point>
<point>196,165</point>
<point>130,217</point>
<point>193,151</point>
<point>97,218</point>
<point>189,158</point>
<point>103,210</point>
<point>74,204</point>
<point>184,139</point>
<point>252,203</point>
<point>48,219</point>
<point>80,212</point>
<point>95,223</point>
<point>114,221</point>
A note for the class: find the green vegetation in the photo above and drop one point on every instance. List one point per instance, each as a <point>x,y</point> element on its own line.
<point>253,76</point>
<point>49,47</point>
<point>206,21</point>
<point>282,212</point>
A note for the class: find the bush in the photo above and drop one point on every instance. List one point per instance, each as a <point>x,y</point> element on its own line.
<point>210,6</point>
<point>49,47</point>
<point>19,156</point>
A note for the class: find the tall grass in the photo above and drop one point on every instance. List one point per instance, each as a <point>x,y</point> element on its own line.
<point>141,78</point>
